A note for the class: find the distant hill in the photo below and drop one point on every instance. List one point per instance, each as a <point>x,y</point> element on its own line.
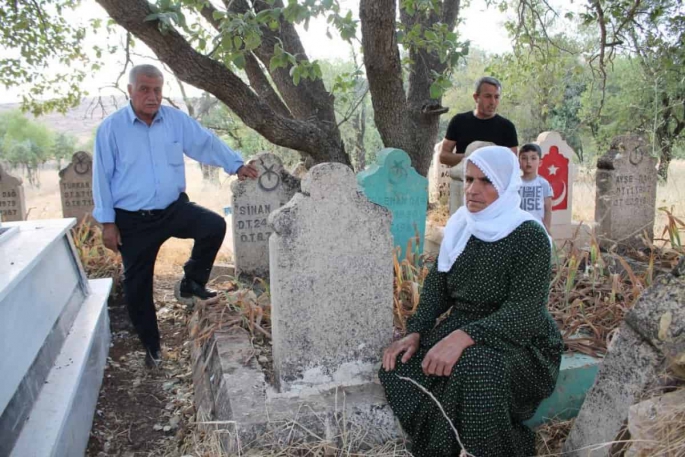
<point>82,120</point>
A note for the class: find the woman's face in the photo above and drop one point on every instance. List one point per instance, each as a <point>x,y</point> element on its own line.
<point>478,189</point>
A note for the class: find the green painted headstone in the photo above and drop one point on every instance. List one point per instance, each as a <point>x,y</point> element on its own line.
<point>394,184</point>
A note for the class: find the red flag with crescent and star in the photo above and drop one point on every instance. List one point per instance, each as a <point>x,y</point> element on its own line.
<point>554,168</point>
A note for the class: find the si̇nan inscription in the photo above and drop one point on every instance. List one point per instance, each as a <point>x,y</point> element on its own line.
<point>253,201</point>
<point>250,221</point>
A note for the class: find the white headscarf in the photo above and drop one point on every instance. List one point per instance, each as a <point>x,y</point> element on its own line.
<point>497,220</point>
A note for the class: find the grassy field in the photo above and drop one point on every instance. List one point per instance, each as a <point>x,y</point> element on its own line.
<point>44,203</point>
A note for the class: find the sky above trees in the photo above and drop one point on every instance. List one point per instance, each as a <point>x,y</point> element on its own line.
<point>482,25</point>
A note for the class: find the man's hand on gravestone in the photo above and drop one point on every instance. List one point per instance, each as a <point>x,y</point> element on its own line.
<point>442,357</point>
<point>111,237</point>
<point>247,171</point>
<point>409,345</point>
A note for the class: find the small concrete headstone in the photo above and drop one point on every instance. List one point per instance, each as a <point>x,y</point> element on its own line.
<point>438,177</point>
<point>651,338</point>
<point>76,186</point>
<point>12,201</point>
<point>457,176</point>
<point>393,183</point>
<point>253,200</point>
<point>331,283</point>
<point>626,193</point>
<point>650,423</point>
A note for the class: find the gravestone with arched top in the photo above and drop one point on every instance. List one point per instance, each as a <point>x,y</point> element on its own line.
<point>393,183</point>
<point>12,201</point>
<point>76,186</point>
<point>253,200</point>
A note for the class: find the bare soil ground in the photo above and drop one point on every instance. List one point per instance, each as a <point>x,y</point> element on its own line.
<point>143,411</point>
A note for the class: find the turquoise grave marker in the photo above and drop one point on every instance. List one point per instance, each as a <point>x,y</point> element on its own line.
<point>576,375</point>
<point>393,183</point>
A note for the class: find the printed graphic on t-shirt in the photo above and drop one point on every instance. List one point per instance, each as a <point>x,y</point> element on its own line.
<point>533,194</point>
<point>531,198</point>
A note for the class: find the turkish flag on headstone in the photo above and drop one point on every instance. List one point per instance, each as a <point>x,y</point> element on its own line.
<point>554,168</point>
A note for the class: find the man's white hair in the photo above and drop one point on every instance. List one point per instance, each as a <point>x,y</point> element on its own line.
<point>145,69</point>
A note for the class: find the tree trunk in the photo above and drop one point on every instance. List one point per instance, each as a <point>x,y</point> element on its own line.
<point>408,121</point>
<point>360,149</point>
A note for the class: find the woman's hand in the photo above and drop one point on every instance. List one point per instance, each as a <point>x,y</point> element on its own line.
<point>443,356</point>
<point>409,344</point>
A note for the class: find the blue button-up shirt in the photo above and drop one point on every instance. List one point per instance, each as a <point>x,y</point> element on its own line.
<point>137,166</point>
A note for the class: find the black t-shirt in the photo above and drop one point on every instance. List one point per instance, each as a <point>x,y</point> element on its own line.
<point>465,128</point>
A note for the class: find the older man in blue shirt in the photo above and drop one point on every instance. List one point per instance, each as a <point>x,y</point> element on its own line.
<point>139,192</point>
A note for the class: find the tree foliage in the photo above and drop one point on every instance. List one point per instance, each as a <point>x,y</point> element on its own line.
<point>633,49</point>
<point>248,54</point>
<point>24,143</point>
<point>37,37</point>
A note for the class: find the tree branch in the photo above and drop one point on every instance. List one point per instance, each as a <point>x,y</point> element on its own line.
<point>213,77</point>
<point>255,75</point>
<point>307,100</point>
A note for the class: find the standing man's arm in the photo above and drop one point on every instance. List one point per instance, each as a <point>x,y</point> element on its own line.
<point>448,157</point>
<point>205,147</point>
<point>103,170</point>
<point>449,143</point>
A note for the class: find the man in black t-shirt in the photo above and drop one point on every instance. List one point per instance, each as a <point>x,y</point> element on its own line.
<point>481,124</point>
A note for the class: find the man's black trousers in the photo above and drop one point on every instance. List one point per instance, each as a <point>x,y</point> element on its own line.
<point>142,234</point>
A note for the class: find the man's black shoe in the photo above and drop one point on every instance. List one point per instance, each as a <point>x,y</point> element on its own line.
<point>190,288</point>
<point>153,358</point>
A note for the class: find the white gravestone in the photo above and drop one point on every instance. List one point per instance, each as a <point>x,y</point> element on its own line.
<point>626,193</point>
<point>331,283</point>
<point>253,200</point>
<point>12,201</point>
<point>76,187</point>
<point>438,177</point>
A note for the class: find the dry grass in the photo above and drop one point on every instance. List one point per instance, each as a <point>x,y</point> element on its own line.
<point>550,437</point>
<point>207,443</point>
<point>97,261</point>
<point>408,282</point>
<point>439,214</point>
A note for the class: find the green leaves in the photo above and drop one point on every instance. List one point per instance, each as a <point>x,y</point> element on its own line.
<point>420,6</point>
<point>441,83</point>
<point>168,13</point>
<point>298,69</point>
<point>306,70</point>
<point>36,36</point>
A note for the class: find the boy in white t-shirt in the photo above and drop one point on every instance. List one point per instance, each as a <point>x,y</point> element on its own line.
<point>536,193</point>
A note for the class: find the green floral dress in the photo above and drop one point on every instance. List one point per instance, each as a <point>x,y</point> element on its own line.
<point>497,293</point>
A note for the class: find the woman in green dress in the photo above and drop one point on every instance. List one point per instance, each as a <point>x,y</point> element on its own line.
<point>496,356</point>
